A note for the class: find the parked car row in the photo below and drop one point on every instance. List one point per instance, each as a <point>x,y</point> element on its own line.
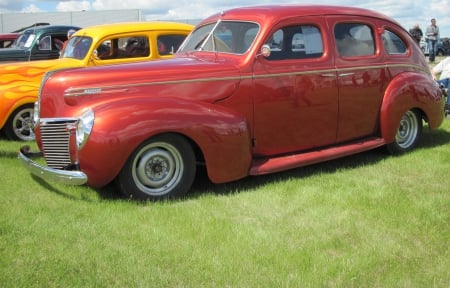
<point>250,91</point>
<point>92,46</point>
<point>37,43</point>
<point>442,47</point>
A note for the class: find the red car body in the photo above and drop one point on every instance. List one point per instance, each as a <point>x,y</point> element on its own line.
<point>250,103</point>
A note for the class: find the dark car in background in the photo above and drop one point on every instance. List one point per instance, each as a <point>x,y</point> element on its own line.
<point>37,43</point>
<point>442,47</point>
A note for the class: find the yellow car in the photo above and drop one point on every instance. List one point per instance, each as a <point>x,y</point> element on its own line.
<point>93,46</point>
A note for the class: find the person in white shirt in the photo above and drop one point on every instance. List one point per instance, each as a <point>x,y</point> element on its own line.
<point>442,69</point>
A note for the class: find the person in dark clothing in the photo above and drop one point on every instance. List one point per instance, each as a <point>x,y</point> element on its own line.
<point>416,33</point>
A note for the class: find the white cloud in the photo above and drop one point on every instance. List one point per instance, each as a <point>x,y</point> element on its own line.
<point>73,6</point>
<point>31,9</point>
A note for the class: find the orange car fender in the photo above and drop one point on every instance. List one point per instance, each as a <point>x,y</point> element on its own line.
<point>9,105</point>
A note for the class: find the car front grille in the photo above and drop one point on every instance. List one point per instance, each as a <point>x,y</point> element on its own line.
<point>55,135</point>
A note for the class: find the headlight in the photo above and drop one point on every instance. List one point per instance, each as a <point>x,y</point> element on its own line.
<point>84,127</point>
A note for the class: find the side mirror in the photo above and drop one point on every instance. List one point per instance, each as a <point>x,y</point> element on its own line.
<point>94,56</point>
<point>265,50</point>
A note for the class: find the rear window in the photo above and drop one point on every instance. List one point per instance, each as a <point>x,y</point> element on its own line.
<point>393,44</point>
<point>354,39</point>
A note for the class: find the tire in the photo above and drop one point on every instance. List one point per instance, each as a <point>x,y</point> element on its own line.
<point>440,52</point>
<point>163,167</point>
<point>408,133</point>
<point>20,124</point>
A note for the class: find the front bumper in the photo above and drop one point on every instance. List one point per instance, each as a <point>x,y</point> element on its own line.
<point>49,174</point>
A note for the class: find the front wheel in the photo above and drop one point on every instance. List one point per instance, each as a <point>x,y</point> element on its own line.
<point>161,168</point>
<point>20,124</point>
<point>408,133</point>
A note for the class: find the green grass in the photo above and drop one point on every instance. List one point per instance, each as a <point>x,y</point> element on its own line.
<point>369,220</point>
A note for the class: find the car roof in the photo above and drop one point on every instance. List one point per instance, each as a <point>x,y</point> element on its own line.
<point>50,28</point>
<point>100,31</point>
<point>265,13</point>
<point>9,35</point>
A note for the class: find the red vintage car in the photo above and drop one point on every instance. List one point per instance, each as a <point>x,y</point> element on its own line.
<point>251,91</point>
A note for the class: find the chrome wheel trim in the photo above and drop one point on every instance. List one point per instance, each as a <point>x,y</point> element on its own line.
<point>157,168</point>
<point>408,130</point>
<point>23,124</point>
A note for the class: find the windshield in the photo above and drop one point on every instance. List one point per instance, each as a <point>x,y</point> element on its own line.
<point>223,36</point>
<point>77,47</point>
<point>25,40</point>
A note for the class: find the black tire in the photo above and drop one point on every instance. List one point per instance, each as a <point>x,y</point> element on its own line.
<point>20,124</point>
<point>408,133</point>
<point>163,167</point>
<point>440,52</point>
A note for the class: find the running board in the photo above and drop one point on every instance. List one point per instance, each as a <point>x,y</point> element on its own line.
<point>270,165</point>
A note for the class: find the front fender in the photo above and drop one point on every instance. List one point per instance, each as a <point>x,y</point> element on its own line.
<point>410,91</point>
<point>10,104</point>
<point>19,84</point>
<point>222,136</point>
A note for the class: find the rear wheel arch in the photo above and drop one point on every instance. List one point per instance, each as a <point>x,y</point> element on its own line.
<point>404,93</point>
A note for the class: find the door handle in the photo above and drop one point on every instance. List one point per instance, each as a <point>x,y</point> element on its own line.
<point>346,74</point>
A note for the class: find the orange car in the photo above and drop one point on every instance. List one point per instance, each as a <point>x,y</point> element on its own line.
<point>93,46</point>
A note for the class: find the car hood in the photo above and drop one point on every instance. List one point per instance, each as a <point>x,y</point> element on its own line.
<point>180,77</point>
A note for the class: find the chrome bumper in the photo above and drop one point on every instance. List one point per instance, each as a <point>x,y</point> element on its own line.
<point>47,173</point>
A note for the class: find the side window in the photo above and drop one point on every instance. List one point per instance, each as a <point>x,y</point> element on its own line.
<point>123,47</point>
<point>296,42</point>
<point>354,39</point>
<point>58,42</point>
<point>136,47</point>
<point>393,44</point>
<point>169,44</point>
<point>45,43</point>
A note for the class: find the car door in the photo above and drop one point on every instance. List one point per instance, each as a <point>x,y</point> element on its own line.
<point>45,48</point>
<point>295,89</point>
<point>362,76</point>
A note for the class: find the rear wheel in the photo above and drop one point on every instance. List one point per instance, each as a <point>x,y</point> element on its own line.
<point>161,168</point>
<point>408,133</point>
<point>20,124</point>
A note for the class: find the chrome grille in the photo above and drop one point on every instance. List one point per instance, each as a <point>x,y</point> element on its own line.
<point>55,136</point>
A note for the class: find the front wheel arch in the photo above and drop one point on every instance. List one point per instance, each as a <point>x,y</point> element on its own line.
<point>162,167</point>
<point>408,132</point>
<point>19,125</point>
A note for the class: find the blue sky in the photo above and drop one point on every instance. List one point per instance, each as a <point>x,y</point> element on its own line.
<point>406,12</point>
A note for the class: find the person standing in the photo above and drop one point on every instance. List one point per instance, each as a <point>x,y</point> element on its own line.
<point>416,33</point>
<point>432,34</point>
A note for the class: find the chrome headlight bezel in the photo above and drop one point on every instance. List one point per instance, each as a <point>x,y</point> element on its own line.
<point>85,124</point>
<point>36,113</point>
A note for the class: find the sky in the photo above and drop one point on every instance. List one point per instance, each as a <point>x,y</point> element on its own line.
<point>406,12</point>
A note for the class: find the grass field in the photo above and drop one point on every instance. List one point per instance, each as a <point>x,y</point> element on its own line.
<point>369,220</point>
